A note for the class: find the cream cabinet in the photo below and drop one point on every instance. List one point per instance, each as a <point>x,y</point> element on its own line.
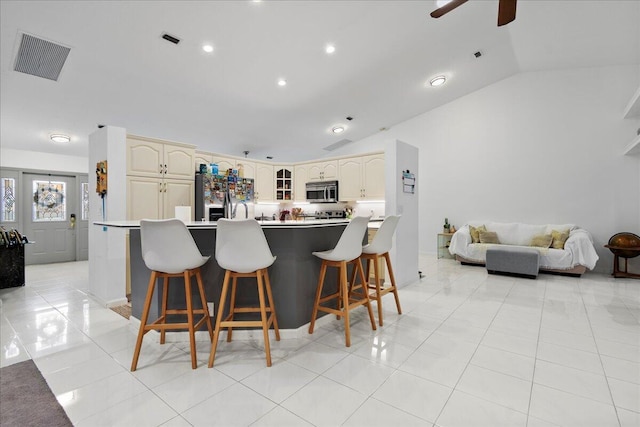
<point>323,171</point>
<point>283,183</point>
<point>156,159</point>
<point>201,157</point>
<point>150,198</point>
<point>362,178</point>
<point>301,175</point>
<point>264,183</point>
<point>160,176</point>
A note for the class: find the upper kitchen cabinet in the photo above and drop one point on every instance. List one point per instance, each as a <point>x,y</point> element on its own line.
<point>301,174</point>
<point>156,159</point>
<point>323,171</point>
<point>284,182</point>
<point>264,183</point>
<point>202,158</point>
<point>362,178</point>
<point>224,163</point>
<point>246,169</point>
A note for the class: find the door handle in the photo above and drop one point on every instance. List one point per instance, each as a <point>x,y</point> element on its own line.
<point>72,221</point>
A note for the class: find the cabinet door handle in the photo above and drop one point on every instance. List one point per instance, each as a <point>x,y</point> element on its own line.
<point>161,171</point>
<point>160,185</point>
<point>165,169</point>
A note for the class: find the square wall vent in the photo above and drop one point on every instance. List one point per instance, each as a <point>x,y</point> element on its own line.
<point>40,57</point>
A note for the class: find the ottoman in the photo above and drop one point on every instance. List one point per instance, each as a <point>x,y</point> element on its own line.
<point>513,260</point>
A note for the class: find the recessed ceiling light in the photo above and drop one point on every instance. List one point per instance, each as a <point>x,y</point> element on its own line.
<point>438,81</point>
<point>282,82</point>
<point>337,129</point>
<point>60,138</point>
<point>330,49</point>
<point>207,48</point>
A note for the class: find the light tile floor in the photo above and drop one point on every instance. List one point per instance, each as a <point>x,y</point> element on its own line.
<point>470,350</point>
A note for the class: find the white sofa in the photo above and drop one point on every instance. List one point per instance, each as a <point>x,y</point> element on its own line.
<point>577,256</point>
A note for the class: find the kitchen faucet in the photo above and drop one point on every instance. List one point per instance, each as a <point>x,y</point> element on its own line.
<point>246,209</point>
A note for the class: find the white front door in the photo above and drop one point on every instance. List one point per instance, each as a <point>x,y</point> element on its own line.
<point>49,206</point>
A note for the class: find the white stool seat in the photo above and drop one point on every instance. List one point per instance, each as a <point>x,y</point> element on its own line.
<point>348,249</point>
<point>168,250</point>
<point>243,251</point>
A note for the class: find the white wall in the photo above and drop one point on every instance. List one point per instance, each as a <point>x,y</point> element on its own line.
<point>538,147</point>
<point>21,159</point>
<point>107,246</point>
<point>399,157</point>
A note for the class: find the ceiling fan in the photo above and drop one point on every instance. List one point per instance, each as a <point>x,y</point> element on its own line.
<point>506,10</point>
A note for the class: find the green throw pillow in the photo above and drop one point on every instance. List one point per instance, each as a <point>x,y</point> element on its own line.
<point>489,237</point>
<point>475,233</point>
<point>542,241</point>
<point>559,237</point>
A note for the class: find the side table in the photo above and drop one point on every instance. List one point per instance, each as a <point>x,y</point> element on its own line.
<point>444,240</point>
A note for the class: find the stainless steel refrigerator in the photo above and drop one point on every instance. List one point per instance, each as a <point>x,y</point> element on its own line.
<point>211,191</point>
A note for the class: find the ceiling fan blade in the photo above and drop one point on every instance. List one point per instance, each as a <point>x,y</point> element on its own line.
<point>447,8</point>
<point>506,12</point>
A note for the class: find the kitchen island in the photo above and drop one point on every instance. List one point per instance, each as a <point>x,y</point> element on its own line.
<point>294,274</point>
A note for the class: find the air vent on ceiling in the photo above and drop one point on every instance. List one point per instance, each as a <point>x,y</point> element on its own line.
<point>170,38</point>
<point>40,58</point>
<point>337,145</point>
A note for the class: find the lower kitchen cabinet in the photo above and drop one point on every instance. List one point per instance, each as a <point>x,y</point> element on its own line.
<point>152,198</point>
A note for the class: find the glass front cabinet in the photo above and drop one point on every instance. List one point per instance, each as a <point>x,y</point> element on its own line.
<point>284,183</point>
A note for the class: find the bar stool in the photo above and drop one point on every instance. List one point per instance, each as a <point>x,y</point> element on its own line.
<point>348,249</point>
<point>379,248</point>
<point>168,250</point>
<point>242,250</point>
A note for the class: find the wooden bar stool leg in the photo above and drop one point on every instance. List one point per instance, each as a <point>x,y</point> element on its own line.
<point>316,301</point>
<point>232,305</point>
<point>271,304</point>
<point>345,301</point>
<point>143,319</point>
<point>163,312</point>
<point>263,317</point>
<point>192,332</point>
<point>216,332</point>
<point>366,295</point>
<point>378,295</point>
<point>203,300</point>
<point>393,282</point>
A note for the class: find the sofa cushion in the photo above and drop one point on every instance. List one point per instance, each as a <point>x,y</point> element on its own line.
<point>559,238</point>
<point>475,233</point>
<point>541,240</point>
<point>489,237</point>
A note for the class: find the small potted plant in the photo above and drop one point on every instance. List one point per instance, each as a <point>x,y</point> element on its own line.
<point>447,226</point>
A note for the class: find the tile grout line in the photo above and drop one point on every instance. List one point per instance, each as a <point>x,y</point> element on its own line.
<point>604,373</point>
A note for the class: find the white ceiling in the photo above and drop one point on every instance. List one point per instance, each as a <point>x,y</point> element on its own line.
<point>121,73</point>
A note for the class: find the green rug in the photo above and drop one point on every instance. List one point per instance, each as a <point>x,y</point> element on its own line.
<point>27,400</point>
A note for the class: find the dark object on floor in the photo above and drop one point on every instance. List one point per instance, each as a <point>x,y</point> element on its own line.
<point>515,260</point>
<point>123,310</point>
<point>26,398</point>
<point>624,245</point>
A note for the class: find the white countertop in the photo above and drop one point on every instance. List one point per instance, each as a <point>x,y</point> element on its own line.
<point>307,223</point>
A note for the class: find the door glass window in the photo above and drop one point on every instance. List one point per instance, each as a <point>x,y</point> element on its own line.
<point>7,199</point>
<point>49,202</point>
<point>85,201</point>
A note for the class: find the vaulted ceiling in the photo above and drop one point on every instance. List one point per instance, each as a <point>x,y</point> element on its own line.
<point>121,72</point>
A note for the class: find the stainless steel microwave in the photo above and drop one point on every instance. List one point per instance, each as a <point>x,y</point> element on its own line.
<point>322,192</point>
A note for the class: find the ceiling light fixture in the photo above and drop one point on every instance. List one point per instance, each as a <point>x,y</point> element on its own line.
<point>207,48</point>
<point>282,82</point>
<point>337,129</point>
<point>330,49</point>
<point>56,137</point>
<point>438,81</point>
